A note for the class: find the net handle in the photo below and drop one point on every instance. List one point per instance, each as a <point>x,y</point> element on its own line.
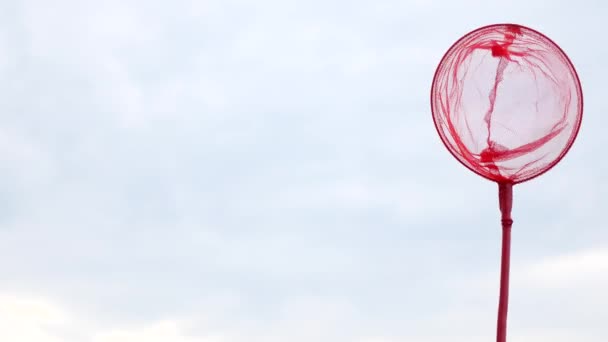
<point>505,200</point>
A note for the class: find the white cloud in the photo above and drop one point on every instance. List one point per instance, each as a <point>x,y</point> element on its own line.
<point>23,157</point>
<point>583,270</point>
<point>29,319</point>
<point>166,331</point>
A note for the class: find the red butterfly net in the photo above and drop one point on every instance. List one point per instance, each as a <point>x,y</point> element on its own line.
<point>507,103</point>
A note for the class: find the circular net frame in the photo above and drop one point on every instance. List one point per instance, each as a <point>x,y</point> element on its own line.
<point>507,102</point>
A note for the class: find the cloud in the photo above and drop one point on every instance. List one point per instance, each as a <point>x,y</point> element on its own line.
<point>585,269</point>
<point>30,319</point>
<point>159,332</point>
<point>271,167</point>
<point>24,318</point>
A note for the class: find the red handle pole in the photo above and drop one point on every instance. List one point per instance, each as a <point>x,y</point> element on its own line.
<point>505,200</point>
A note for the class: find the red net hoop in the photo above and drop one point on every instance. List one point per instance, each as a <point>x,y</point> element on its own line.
<point>507,102</point>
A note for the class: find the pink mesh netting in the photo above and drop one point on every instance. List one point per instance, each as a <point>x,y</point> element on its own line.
<point>506,102</point>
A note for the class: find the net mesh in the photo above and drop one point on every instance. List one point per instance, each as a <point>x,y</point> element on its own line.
<point>507,102</point>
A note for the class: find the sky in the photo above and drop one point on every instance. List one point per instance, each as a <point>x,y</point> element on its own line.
<point>268,171</point>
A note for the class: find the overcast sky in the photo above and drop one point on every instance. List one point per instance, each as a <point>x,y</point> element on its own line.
<point>268,171</point>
